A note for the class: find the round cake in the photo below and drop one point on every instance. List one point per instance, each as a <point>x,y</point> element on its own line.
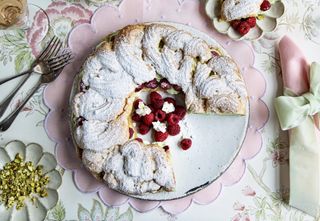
<point>124,65</point>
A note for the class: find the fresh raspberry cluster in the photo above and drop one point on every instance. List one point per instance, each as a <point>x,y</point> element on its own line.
<point>243,26</point>
<point>161,121</point>
<point>164,84</point>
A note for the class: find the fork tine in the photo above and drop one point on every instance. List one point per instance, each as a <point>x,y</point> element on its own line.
<point>49,47</point>
<point>55,49</point>
<point>63,64</point>
<point>59,58</point>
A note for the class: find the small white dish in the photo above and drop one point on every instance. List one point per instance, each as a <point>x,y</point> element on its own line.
<point>34,153</point>
<point>268,24</point>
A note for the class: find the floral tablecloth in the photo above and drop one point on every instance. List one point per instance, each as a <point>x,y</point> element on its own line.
<point>256,197</point>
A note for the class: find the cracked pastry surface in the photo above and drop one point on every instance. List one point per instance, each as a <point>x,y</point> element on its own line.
<point>237,9</point>
<point>209,78</point>
<point>136,168</point>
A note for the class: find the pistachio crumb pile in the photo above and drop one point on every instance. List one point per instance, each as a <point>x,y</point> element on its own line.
<point>20,180</point>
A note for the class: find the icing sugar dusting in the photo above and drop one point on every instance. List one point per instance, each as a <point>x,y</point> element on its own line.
<point>237,9</point>
<point>135,168</point>
<point>210,84</point>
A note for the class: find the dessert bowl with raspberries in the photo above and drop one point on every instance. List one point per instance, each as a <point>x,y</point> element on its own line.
<point>245,19</point>
<point>159,111</point>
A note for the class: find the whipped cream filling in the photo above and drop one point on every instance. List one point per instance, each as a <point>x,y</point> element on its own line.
<point>158,126</point>
<point>237,9</point>
<point>168,107</point>
<point>143,109</point>
<point>136,169</point>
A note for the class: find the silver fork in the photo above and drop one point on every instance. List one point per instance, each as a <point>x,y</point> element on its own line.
<point>45,79</point>
<point>52,49</point>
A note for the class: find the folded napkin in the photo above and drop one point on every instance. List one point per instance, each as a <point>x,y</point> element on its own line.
<point>298,112</point>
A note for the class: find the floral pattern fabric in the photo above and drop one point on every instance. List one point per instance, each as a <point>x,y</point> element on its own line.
<point>256,197</point>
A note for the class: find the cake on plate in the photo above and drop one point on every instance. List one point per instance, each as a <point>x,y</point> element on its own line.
<point>133,60</point>
<point>243,14</point>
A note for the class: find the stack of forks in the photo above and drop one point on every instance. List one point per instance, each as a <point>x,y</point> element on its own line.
<point>49,64</point>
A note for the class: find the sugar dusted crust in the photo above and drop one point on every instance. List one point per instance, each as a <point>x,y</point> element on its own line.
<point>102,104</point>
<point>237,9</point>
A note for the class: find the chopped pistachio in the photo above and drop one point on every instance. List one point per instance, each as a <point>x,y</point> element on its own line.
<point>21,180</point>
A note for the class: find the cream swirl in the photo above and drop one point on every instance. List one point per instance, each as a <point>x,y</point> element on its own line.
<point>105,81</point>
<point>98,136</point>
<point>92,106</point>
<point>136,168</point>
<point>130,55</point>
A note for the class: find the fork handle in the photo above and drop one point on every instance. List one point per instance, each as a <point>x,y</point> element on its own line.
<point>6,123</point>
<point>15,76</point>
<point>5,104</point>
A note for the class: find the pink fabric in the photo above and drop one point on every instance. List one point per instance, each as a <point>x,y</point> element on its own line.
<point>295,69</point>
<point>294,66</point>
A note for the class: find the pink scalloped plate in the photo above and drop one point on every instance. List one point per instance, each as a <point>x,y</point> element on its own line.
<point>85,37</point>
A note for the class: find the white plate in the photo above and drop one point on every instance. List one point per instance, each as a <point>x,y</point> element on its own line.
<point>216,143</point>
<point>268,24</point>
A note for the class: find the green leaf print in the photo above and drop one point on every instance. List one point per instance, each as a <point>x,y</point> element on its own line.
<point>97,211</point>
<point>127,216</point>
<point>83,214</point>
<point>112,213</point>
<point>58,213</point>
<point>22,60</point>
<point>14,43</point>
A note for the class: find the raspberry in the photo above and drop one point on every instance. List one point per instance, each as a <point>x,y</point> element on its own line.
<point>173,119</point>
<point>148,119</point>
<point>139,88</point>
<point>165,84</point>
<point>265,6</point>
<point>235,23</point>
<point>173,130</point>
<point>154,96</point>
<point>176,87</point>
<point>243,28</point>
<point>166,148</point>
<point>252,21</point>
<point>136,117</point>
<point>170,100</point>
<point>180,111</point>
<point>156,100</point>
<point>159,115</point>
<point>80,121</point>
<point>186,143</point>
<point>153,84</point>
<point>139,139</point>
<point>131,132</point>
<point>151,108</point>
<point>159,136</point>
<point>158,104</point>
<point>83,87</point>
<point>144,129</point>
<point>136,103</point>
